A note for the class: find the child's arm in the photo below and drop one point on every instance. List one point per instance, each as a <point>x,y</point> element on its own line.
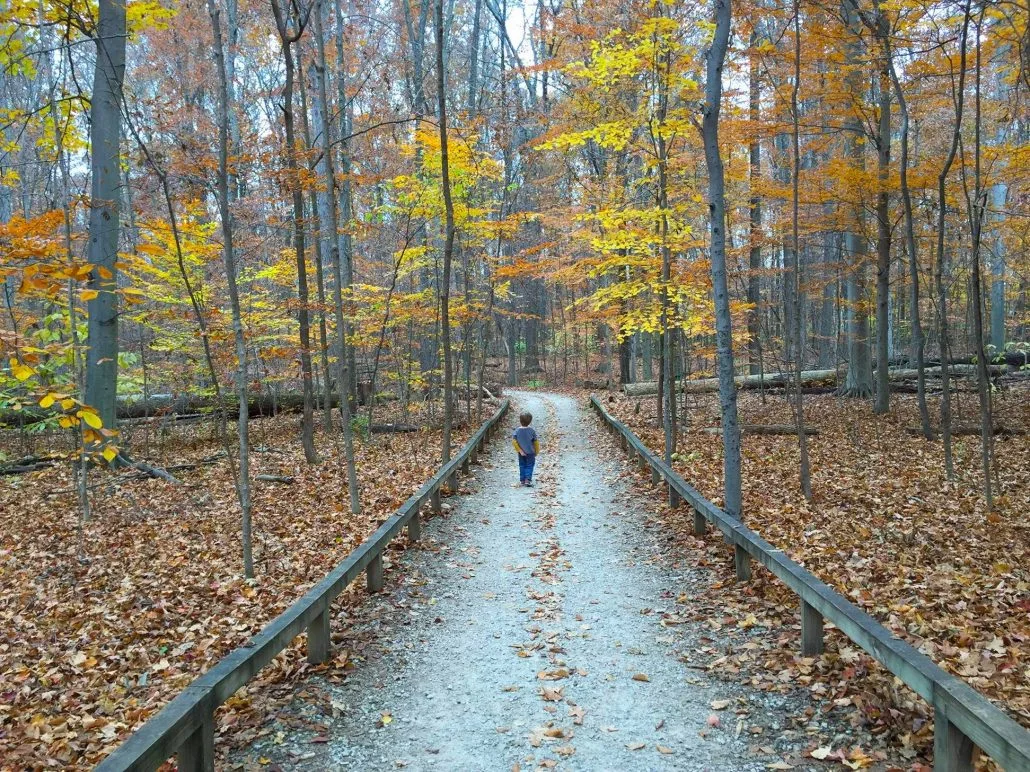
<point>515,444</point>
<point>536,446</point>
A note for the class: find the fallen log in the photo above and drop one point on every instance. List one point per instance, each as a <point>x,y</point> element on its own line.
<point>150,471</point>
<point>765,429</point>
<point>393,428</point>
<point>28,464</point>
<point>972,431</point>
<point>275,478</point>
<point>809,378</point>
<point>769,380</point>
<point>909,374</point>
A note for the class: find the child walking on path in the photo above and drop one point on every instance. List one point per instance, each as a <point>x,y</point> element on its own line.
<point>528,445</point>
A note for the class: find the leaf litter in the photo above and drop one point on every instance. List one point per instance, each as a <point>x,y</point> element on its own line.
<point>887,530</point>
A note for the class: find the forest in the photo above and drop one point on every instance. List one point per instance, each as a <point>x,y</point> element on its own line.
<point>267,264</point>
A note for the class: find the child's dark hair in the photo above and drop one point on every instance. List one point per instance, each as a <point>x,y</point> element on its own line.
<point>526,418</point>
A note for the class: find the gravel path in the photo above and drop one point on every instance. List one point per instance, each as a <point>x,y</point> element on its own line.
<point>536,629</point>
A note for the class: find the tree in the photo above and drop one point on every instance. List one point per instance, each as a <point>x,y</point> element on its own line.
<point>229,260</point>
<point>448,246</point>
<point>716,57</point>
<point>105,210</point>
<point>290,29</point>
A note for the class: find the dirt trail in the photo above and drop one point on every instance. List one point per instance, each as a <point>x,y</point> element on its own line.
<point>531,634</point>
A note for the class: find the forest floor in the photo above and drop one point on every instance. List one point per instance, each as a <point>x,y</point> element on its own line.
<point>98,632</point>
<point>552,628</point>
<point>887,530</point>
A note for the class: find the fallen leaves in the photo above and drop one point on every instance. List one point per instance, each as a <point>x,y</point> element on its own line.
<point>553,675</point>
<point>643,677</point>
<point>96,644</point>
<point>888,531</point>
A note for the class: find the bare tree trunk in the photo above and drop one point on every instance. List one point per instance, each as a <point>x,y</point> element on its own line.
<point>754,281</point>
<point>999,192</point>
<point>344,359</point>
<point>717,215</point>
<point>345,239</point>
<point>859,380</point>
<point>473,97</point>
<point>941,268</point>
<point>668,391</point>
<point>976,208</point>
<point>229,260</point>
<point>448,249</point>
<point>105,199</point>
<point>799,403</point>
<point>322,229</point>
<point>918,341</point>
<point>883,237</point>
<point>287,37</point>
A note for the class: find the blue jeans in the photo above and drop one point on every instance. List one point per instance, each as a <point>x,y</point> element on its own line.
<point>526,467</point>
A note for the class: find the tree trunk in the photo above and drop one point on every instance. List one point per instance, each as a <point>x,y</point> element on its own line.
<point>799,400</point>
<point>883,236</point>
<point>105,197</point>
<point>287,38</point>
<point>229,261</point>
<point>941,267</point>
<point>754,281</point>
<point>918,341</point>
<point>999,192</point>
<point>859,379</point>
<point>345,352</point>
<point>717,216</point>
<point>976,209</point>
<point>448,249</point>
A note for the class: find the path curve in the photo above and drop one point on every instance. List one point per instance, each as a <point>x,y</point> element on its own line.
<point>529,634</point>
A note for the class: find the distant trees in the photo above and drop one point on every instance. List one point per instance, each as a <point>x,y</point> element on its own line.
<point>473,211</point>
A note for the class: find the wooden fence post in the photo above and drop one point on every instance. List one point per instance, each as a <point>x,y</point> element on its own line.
<point>374,574</point>
<point>434,501</point>
<point>742,563</point>
<point>811,630</point>
<point>415,527</point>
<point>952,750</point>
<point>674,497</point>
<point>656,476</point>
<point>319,642</point>
<point>197,754</point>
<point>700,524</point>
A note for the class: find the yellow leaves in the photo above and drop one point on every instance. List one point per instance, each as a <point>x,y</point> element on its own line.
<point>89,294</point>
<point>132,295</point>
<point>614,135</point>
<point>21,371</point>
<point>141,15</point>
<point>153,250</point>
<point>89,416</point>
<point>110,453</point>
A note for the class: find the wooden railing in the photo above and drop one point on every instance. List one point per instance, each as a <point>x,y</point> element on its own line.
<point>185,727</point>
<point>963,718</point>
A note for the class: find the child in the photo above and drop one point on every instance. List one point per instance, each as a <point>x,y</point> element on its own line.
<point>526,443</point>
